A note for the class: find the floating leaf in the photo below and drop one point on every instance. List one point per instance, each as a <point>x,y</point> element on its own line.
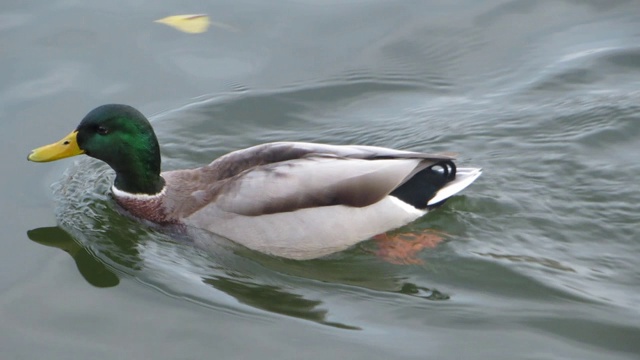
<point>192,24</point>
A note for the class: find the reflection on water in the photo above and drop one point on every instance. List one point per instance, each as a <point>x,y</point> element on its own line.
<point>245,289</point>
<point>265,297</point>
<point>91,269</point>
<point>275,299</point>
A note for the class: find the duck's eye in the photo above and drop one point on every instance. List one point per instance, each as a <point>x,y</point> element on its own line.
<point>102,130</point>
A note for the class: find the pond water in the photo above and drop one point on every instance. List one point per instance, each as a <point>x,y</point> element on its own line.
<point>540,257</point>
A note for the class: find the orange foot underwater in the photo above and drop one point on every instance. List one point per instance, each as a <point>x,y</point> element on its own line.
<point>402,248</point>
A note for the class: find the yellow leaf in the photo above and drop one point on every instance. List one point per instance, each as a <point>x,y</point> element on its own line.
<point>192,24</point>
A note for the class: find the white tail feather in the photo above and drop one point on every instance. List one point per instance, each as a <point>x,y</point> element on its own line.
<point>464,178</point>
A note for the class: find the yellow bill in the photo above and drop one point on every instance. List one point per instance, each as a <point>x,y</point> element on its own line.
<point>64,148</point>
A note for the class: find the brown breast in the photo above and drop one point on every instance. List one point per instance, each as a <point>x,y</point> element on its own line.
<point>151,209</point>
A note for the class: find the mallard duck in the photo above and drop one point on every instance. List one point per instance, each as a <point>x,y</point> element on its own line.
<point>291,199</point>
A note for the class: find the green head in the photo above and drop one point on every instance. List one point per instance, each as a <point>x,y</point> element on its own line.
<point>122,137</point>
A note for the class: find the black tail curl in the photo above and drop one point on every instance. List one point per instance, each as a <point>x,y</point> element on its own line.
<point>448,167</point>
<point>424,185</point>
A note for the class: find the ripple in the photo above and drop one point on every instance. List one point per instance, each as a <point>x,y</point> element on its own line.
<point>589,69</point>
<point>525,234</point>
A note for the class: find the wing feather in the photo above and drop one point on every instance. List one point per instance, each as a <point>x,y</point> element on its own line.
<point>313,182</point>
<point>287,176</point>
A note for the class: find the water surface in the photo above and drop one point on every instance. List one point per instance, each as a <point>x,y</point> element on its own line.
<point>540,260</point>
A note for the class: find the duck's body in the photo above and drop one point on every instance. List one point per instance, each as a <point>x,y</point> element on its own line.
<point>296,200</point>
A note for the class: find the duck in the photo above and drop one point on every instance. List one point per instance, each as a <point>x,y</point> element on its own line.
<point>296,200</point>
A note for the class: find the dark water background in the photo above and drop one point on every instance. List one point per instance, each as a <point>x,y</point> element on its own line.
<point>541,261</point>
